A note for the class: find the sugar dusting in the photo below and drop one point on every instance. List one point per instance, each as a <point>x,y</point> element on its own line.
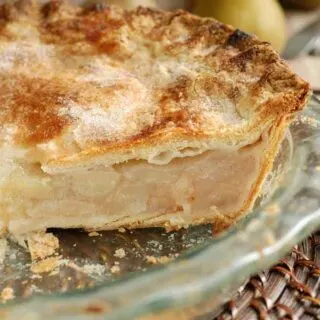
<point>221,110</point>
<point>124,112</point>
<point>162,73</point>
<point>7,132</point>
<point>103,75</point>
<point>22,53</point>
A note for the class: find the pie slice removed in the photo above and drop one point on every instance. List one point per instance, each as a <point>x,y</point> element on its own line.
<point>113,118</point>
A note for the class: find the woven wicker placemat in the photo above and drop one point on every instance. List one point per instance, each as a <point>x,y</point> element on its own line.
<point>288,290</point>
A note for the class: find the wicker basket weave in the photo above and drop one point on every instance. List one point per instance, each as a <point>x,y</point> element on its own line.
<point>289,290</point>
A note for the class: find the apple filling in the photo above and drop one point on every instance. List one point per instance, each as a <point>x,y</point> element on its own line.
<point>216,181</point>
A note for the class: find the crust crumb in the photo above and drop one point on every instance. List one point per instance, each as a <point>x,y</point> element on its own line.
<point>42,245</point>
<point>7,294</point>
<point>46,265</point>
<point>120,253</point>
<point>115,269</point>
<point>122,230</point>
<point>94,269</point>
<point>158,260</point>
<point>94,234</point>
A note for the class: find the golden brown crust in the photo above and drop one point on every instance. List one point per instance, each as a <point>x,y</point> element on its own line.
<point>109,85</point>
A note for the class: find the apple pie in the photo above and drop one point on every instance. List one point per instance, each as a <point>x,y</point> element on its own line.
<point>113,118</point>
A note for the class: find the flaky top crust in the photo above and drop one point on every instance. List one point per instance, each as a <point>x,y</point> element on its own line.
<point>101,84</point>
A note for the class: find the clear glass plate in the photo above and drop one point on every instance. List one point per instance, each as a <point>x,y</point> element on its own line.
<point>195,270</point>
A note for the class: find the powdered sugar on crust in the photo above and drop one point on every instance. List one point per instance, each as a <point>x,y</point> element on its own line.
<point>103,74</point>
<point>97,122</point>
<point>18,55</point>
<point>124,109</point>
<point>99,81</point>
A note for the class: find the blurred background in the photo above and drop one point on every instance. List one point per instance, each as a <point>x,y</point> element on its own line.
<point>292,26</point>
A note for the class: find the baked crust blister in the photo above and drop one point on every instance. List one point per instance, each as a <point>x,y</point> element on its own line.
<point>82,87</point>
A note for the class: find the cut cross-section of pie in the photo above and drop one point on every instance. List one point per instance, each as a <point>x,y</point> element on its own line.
<point>113,118</point>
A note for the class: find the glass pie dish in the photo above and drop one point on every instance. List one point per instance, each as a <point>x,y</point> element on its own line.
<point>151,274</point>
